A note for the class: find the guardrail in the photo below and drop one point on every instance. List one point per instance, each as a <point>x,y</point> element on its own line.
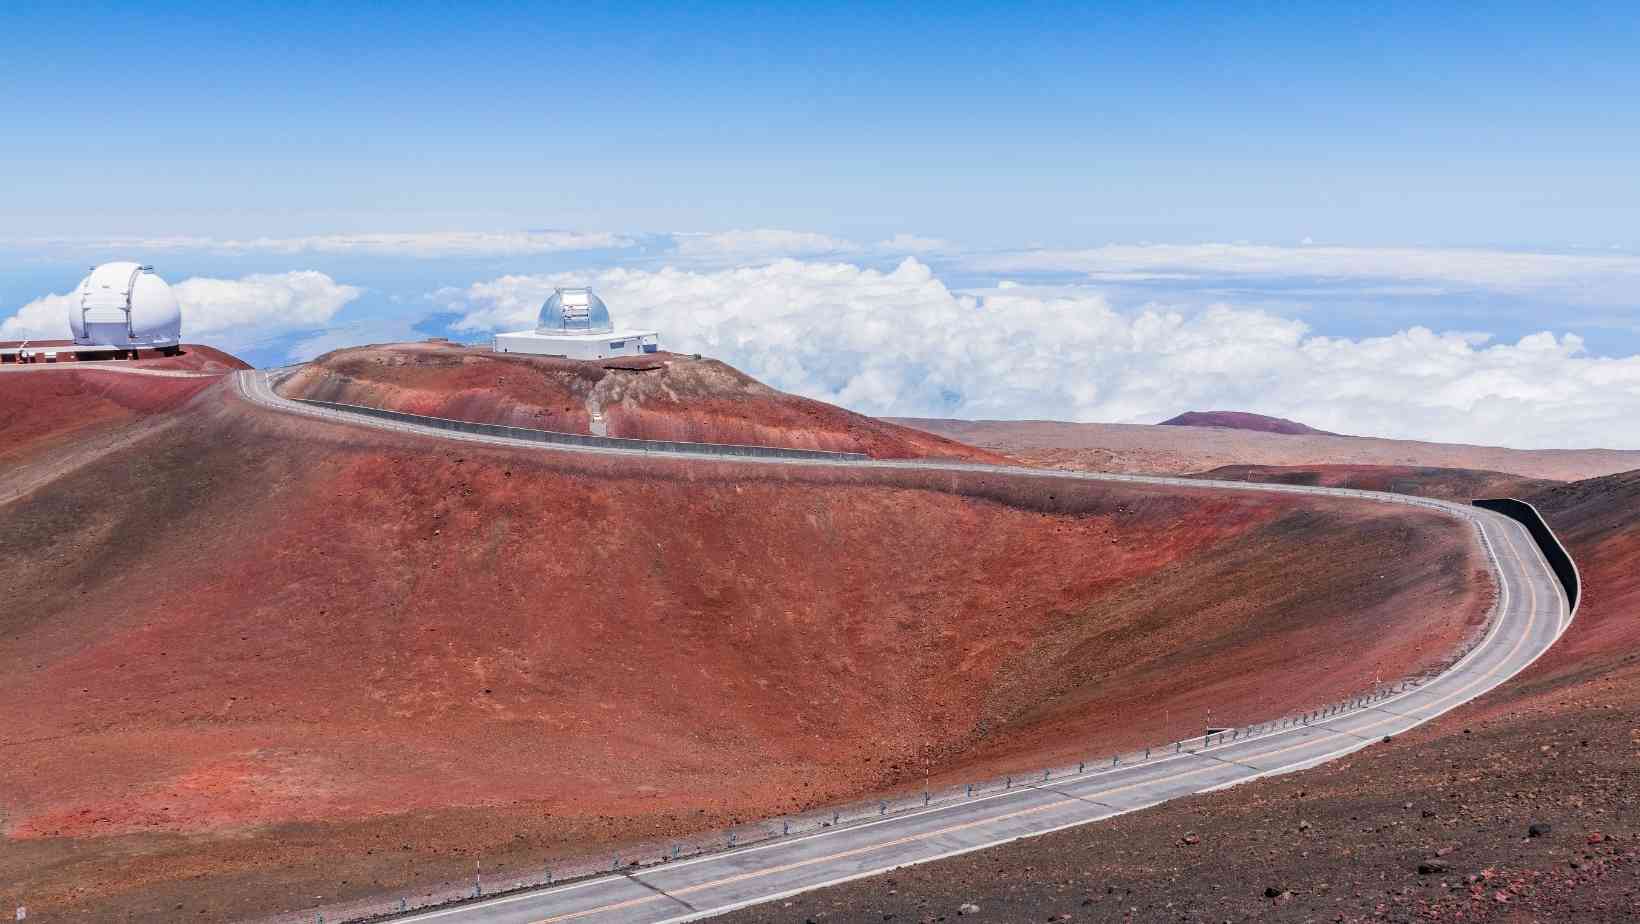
<point>578,439</point>
<point>1559,560</point>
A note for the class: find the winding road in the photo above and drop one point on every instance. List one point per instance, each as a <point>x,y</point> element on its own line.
<point>1531,614</point>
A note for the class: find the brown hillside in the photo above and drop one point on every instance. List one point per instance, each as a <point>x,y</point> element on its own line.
<point>265,658</point>
<point>662,396</point>
<point>1102,447</point>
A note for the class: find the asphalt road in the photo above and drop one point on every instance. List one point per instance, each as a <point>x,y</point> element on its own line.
<point>1532,613</point>
<point>111,366</point>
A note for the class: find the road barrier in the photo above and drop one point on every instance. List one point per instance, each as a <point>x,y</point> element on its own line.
<point>579,439</point>
<point>1559,561</point>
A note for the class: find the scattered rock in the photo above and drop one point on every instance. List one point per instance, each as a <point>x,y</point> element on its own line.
<point>1190,840</point>
<point>968,908</point>
<point>1538,829</point>
<point>1432,867</point>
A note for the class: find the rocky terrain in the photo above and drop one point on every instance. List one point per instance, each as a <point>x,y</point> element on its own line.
<point>1186,450</point>
<point>1521,806</point>
<point>270,661</point>
<point>660,396</point>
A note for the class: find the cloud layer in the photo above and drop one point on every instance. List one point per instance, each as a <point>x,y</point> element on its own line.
<point>225,312</point>
<point>451,244</point>
<point>1497,270</point>
<point>901,342</point>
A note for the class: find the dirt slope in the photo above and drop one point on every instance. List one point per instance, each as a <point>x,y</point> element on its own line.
<point>268,658</point>
<point>1431,827</point>
<point>662,396</point>
<point>53,419</point>
<point>1180,450</point>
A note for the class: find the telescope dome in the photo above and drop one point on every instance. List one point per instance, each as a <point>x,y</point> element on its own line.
<point>125,305</point>
<point>575,311</point>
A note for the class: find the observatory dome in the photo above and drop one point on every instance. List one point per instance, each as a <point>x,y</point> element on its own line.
<point>575,311</point>
<point>125,305</point>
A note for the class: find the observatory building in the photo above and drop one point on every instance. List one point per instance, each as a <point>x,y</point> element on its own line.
<point>118,310</point>
<point>124,306</point>
<point>575,323</point>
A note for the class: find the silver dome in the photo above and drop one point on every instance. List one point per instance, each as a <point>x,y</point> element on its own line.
<point>574,311</point>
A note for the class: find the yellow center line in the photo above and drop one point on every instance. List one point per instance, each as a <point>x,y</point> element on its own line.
<point>1531,621</point>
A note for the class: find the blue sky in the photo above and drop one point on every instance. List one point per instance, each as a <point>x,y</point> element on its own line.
<point>1506,125</point>
<point>1382,168</point>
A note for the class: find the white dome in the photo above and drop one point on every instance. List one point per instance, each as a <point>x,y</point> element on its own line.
<point>125,305</point>
<point>574,311</point>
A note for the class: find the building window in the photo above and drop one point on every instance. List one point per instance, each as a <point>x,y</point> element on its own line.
<point>617,344</point>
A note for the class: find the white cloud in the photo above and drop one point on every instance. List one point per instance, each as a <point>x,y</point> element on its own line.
<point>903,243</point>
<point>224,312</point>
<point>45,318</point>
<point>261,302</point>
<point>901,342</point>
<point>1592,274</point>
<point>756,244</point>
<point>388,244</point>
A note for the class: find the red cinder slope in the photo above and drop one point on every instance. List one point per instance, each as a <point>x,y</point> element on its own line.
<point>1241,420</point>
<point>47,406</point>
<point>265,657</point>
<point>662,396</point>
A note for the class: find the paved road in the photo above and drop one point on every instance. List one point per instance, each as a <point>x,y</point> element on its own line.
<point>1532,613</point>
<point>113,366</point>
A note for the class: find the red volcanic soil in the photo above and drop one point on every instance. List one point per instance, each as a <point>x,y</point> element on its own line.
<point>265,658</point>
<point>1182,450</point>
<point>1241,420</point>
<point>1434,826</point>
<point>1455,484</point>
<point>660,396</point>
<point>55,419</point>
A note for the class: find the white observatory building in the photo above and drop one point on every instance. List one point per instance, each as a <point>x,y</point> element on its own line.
<point>124,306</point>
<point>575,324</point>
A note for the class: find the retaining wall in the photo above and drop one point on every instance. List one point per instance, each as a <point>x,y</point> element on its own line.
<point>579,439</point>
<point>1565,569</point>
